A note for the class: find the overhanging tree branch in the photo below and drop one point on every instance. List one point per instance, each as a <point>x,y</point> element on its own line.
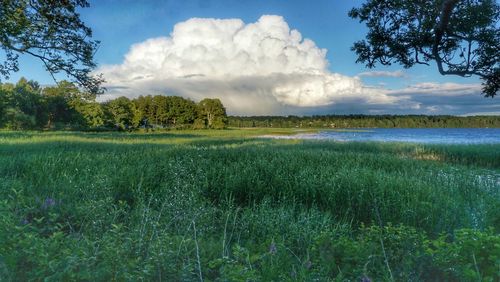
<point>461,36</point>
<point>52,32</point>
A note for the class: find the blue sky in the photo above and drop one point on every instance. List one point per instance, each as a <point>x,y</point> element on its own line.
<point>119,24</point>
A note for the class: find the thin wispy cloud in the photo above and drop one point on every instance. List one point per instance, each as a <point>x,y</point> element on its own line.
<point>442,89</point>
<point>397,73</point>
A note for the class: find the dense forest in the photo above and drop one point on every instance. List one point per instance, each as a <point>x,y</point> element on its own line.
<point>365,121</point>
<point>27,105</point>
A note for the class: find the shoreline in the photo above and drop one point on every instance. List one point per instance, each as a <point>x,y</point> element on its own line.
<point>416,136</point>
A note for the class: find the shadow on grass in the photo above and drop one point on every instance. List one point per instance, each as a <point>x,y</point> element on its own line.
<point>94,135</point>
<point>484,155</point>
<point>117,145</point>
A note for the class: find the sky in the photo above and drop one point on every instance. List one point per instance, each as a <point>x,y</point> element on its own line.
<point>260,57</point>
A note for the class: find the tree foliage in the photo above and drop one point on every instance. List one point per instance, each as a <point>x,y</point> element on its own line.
<point>58,100</point>
<point>164,111</point>
<point>121,112</point>
<point>26,105</point>
<point>213,111</point>
<point>52,32</point>
<point>461,36</point>
<point>365,121</point>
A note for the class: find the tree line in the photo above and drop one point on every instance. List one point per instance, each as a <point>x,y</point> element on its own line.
<point>27,105</point>
<point>365,121</point>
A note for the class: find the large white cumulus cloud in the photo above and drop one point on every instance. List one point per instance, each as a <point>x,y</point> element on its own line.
<point>255,68</point>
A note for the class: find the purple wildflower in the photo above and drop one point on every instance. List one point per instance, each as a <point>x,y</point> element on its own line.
<point>24,221</point>
<point>48,203</point>
<point>366,279</point>
<point>272,249</point>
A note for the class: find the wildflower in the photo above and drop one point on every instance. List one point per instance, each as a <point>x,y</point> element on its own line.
<point>24,221</point>
<point>272,249</point>
<point>366,279</point>
<point>308,264</point>
<point>48,203</point>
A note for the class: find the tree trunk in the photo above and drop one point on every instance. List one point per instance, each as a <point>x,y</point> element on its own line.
<point>210,118</point>
<point>440,28</point>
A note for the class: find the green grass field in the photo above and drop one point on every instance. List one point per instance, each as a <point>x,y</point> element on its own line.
<point>231,206</point>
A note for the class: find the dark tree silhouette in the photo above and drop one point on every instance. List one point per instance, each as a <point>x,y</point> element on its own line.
<point>461,36</point>
<point>52,32</point>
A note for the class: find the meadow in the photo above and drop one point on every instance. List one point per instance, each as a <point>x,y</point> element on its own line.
<point>228,205</point>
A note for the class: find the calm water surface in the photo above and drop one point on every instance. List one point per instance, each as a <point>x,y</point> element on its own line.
<point>416,135</point>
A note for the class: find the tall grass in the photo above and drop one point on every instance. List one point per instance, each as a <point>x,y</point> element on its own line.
<point>226,205</point>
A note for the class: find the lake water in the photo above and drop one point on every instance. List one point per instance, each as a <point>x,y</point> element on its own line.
<point>415,135</point>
